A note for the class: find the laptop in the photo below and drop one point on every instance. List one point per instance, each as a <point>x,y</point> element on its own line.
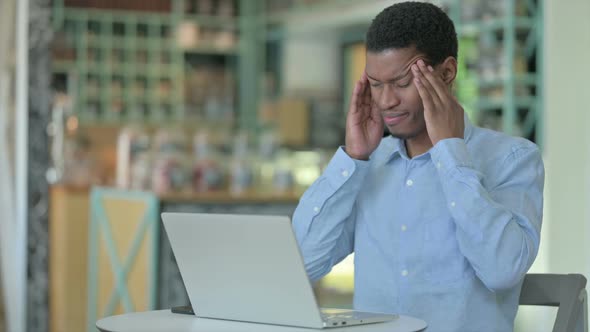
<point>249,268</point>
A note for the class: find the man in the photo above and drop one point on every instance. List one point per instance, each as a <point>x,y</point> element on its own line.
<point>444,217</point>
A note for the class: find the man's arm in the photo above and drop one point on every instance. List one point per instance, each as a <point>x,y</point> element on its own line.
<point>324,220</point>
<point>498,229</point>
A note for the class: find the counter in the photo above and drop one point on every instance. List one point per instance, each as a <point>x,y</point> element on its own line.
<point>69,241</point>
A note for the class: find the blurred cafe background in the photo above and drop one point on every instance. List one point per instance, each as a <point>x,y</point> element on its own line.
<point>112,112</point>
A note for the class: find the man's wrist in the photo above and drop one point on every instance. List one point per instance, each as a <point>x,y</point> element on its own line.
<point>355,156</point>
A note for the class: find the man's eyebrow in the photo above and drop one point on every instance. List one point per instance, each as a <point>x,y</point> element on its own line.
<point>397,78</point>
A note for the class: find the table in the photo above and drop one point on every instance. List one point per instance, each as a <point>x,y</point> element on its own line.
<point>164,320</point>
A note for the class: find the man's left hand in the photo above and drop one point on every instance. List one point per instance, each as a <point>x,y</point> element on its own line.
<point>442,112</point>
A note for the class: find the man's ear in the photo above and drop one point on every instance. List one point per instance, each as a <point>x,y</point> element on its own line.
<point>448,70</point>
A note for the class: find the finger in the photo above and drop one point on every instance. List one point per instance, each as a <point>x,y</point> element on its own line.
<point>366,94</point>
<point>436,102</point>
<point>425,95</point>
<point>354,100</point>
<point>364,77</point>
<point>435,81</point>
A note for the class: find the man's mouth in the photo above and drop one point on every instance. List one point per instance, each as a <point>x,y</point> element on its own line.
<point>391,119</point>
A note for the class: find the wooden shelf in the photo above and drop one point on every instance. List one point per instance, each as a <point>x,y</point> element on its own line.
<point>252,196</point>
<point>225,197</point>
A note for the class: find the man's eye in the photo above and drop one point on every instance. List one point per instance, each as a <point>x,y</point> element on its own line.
<point>404,85</point>
<point>376,85</point>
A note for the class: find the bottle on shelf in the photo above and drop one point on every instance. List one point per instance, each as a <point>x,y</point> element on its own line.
<point>283,180</point>
<point>132,141</point>
<point>170,172</point>
<point>207,173</point>
<point>141,172</point>
<point>241,172</point>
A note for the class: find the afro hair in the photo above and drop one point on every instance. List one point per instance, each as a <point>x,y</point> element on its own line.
<point>414,24</point>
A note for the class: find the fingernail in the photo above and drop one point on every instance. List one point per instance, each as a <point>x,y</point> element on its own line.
<point>430,68</point>
<point>421,62</point>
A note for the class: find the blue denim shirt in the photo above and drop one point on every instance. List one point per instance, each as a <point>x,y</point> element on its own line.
<point>446,236</point>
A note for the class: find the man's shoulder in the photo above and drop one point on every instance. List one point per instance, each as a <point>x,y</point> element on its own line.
<point>498,156</point>
<point>491,143</point>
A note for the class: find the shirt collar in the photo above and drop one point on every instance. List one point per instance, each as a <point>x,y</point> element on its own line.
<point>396,146</point>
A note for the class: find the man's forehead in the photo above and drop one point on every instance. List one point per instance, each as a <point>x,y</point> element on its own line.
<point>392,63</point>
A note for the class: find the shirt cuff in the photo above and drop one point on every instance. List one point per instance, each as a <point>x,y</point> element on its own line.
<point>342,167</point>
<point>449,154</point>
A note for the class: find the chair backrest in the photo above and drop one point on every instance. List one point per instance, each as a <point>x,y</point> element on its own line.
<point>565,291</point>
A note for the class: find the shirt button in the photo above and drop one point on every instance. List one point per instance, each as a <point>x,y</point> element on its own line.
<point>345,173</point>
<point>453,204</point>
<point>405,273</point>
<point>409,183</point>
<point>316,209</point>
<point>404,228</point>
<point>438,165</point>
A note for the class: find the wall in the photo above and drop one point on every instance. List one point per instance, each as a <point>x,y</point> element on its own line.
<point>312,49</point>
<point>565,237</point>
<point>309,65</point>
<point>567,150</point>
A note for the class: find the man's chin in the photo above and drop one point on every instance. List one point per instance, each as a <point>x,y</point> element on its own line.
<point>406,133</point>
<point>401,135</point>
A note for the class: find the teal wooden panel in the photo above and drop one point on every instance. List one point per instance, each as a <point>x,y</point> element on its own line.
<point>100,227</point>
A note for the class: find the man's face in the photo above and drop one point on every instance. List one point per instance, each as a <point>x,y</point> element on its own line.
<point>394,92</point>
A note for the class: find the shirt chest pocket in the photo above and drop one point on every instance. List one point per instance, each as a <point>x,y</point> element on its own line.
<point>444,264</point>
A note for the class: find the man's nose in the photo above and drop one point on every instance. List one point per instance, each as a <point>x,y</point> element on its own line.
<point>388,98</point>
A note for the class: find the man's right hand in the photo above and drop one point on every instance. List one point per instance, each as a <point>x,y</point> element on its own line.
<point>364,123</point>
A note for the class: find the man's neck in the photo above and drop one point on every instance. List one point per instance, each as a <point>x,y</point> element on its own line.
<point>418,145</point>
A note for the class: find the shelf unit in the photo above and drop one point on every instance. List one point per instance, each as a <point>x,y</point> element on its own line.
<point>502,56</point>
<point>139,75</point>
<point>135,66</point>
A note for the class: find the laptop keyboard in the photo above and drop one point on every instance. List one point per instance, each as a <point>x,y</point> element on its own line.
<point>343,314</point>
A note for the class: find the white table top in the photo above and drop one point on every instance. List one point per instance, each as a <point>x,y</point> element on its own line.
<point>164,320</point>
